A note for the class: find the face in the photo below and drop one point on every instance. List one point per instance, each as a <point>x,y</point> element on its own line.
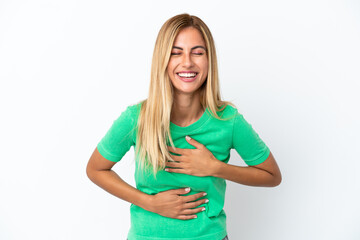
<point>188,64</point>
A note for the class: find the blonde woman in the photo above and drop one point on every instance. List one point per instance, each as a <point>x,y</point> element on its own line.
<point>182,135</point>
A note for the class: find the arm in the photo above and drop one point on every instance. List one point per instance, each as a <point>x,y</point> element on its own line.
<point>266,174</point>
<point>201,162</point>
<point>99,172</point>
<point>168,203</point>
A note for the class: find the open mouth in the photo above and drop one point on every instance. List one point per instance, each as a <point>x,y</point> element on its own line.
<point>187,75</point>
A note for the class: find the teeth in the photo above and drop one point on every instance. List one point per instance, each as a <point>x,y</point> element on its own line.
<point>187,74</point>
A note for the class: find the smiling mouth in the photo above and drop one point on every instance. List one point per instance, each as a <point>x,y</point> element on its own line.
<point>187,75</point>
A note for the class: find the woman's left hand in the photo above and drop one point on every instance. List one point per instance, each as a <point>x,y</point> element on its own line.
<point>198,162</point>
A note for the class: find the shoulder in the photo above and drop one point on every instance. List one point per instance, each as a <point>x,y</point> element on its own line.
<point>134,109</point>
<point>229,112</point>
<point>130,114</point>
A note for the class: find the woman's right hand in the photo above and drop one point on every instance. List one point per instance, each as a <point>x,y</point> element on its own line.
<point>170,204</point>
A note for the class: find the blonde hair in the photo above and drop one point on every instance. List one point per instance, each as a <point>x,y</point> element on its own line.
<point>154,118</point>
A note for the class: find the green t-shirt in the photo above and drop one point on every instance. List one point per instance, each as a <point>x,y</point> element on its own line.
<point>217,136</point>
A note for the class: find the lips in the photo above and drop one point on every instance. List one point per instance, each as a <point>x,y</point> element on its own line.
<point>187,72</point>
<point>187,76</point>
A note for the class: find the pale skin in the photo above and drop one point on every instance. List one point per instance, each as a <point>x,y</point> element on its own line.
<point>186,55</point>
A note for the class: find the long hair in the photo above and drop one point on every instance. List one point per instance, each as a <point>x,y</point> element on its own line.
<point>154,118</point>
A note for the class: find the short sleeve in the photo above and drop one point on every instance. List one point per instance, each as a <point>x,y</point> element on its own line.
<point>119,138</point>
<point>247,142</point>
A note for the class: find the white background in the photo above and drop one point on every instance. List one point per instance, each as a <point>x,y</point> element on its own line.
<point>69,68</point>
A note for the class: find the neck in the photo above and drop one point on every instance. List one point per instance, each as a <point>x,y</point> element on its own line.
<point>186,109</point>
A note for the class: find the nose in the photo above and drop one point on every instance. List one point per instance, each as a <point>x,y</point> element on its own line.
<point>187,61</point>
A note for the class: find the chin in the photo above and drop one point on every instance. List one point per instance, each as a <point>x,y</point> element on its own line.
<point>186,90</point>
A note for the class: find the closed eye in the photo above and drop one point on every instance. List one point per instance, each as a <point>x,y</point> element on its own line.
<point>193,53</point>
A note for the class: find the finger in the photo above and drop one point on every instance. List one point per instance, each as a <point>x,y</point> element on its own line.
<point>175,170</point>
<point>176,150</point>
<point>193,211</point>
<point>193,142</point>
<point>187,217</point>
<point>195,204</point>
<point>174,158</point>
<point>193,197</point>
<point>181,190</point>
<point>172,164</point>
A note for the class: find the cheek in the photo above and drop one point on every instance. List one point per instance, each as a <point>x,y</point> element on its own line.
<point>203,64</point>
<point>205,67</point>
<point>170,67</point>
<point>170,72</point>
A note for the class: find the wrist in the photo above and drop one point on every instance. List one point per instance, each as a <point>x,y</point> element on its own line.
<point>146,202</point>
<point>216,169</point>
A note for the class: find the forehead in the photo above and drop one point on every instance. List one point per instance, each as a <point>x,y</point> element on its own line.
<point>189,36</point>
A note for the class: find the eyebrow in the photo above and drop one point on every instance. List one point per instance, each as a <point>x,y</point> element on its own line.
<point>191,48</point>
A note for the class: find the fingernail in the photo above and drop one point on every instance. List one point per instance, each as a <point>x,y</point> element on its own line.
<point>166,169</point>
<point>207,200</point>
<point>187,189</point>
<point>195,216</point>
<point>203,209</point>
<point>188,138</point>
<point>204,194</point>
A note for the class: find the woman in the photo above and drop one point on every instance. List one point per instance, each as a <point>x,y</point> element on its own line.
<point>182,135</point>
